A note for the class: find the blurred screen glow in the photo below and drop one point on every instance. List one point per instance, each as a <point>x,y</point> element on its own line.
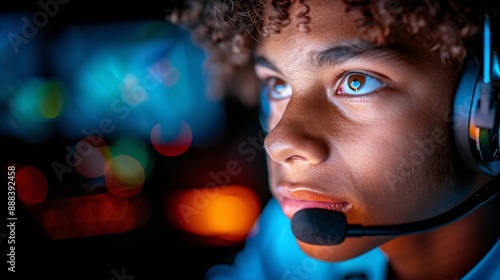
<point>104,79</point>
<point>135,76</point>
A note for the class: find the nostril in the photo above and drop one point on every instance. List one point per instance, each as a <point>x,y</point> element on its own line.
<point>278,149</point>
<point>288,147</point>
<point>296,158</point>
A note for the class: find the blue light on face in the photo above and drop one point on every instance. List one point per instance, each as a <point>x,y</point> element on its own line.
<point>264,109</point>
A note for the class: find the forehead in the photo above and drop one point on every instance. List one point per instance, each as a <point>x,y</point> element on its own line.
<point>329,24</point>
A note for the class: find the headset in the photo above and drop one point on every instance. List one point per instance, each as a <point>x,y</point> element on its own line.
<point>476,124</point>
<point>476,111</point>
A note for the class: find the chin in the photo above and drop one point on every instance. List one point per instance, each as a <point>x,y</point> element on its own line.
<point>350,248</point>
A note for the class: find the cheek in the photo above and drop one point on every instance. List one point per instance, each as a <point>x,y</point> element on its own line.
<point>273,171</point>
<point>401,173</point>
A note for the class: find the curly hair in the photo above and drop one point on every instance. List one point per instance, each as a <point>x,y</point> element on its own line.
<point>228,30</point>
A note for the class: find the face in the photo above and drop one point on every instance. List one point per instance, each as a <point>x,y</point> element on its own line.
<point>356,127</point>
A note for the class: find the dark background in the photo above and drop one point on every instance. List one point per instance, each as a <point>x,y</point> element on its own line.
<point>156,250</point>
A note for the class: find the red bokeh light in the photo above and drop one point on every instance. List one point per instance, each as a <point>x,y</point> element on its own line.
<point>31,185</point>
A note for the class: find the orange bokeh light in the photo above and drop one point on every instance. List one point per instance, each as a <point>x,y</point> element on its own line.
<point>227,212</point>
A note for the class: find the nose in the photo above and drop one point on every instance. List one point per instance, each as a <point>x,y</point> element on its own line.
<point>299,135</point>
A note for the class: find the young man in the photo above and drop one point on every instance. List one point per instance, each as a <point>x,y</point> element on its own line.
<point>360,97</point>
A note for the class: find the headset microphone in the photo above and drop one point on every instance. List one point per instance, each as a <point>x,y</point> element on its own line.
<point>326,227</point>
<point>476,115</point>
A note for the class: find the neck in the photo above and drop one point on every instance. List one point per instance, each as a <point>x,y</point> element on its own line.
<point>448,252</point>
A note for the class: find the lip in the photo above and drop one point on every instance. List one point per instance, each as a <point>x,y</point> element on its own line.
<point>291,204</point>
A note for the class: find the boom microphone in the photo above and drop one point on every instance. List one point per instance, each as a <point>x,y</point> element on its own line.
<point>326,227</point>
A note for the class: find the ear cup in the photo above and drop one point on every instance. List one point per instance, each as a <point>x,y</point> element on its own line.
<point>478,147</point>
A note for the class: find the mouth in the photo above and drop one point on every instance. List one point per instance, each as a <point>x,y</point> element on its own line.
<point>290,202</point>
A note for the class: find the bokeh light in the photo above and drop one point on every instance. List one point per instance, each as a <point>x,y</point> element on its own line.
<point>124,176</point>
<point>51,100</point>
<point>134,75</point>
<point>93,111</point>
<point>175,146</point>
<point>136,147</point>
<point>93,157</point>
<point>225,213</point>
<point>31,185</point>
<point>91,215</point>
<point>34,107</point>
<point>38,99</point>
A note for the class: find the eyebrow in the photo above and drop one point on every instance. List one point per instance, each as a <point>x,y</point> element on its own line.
<point>341,52</point>
<point>262,61</point>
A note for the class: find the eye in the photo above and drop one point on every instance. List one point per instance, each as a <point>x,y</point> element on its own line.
<point>278,89</point>
<point>359,84</point>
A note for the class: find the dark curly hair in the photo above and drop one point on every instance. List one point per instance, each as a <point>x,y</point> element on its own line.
<point>229,30</point>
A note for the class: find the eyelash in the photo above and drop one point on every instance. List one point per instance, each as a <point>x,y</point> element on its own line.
<point>340,79</point>
<point>265,84</point>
